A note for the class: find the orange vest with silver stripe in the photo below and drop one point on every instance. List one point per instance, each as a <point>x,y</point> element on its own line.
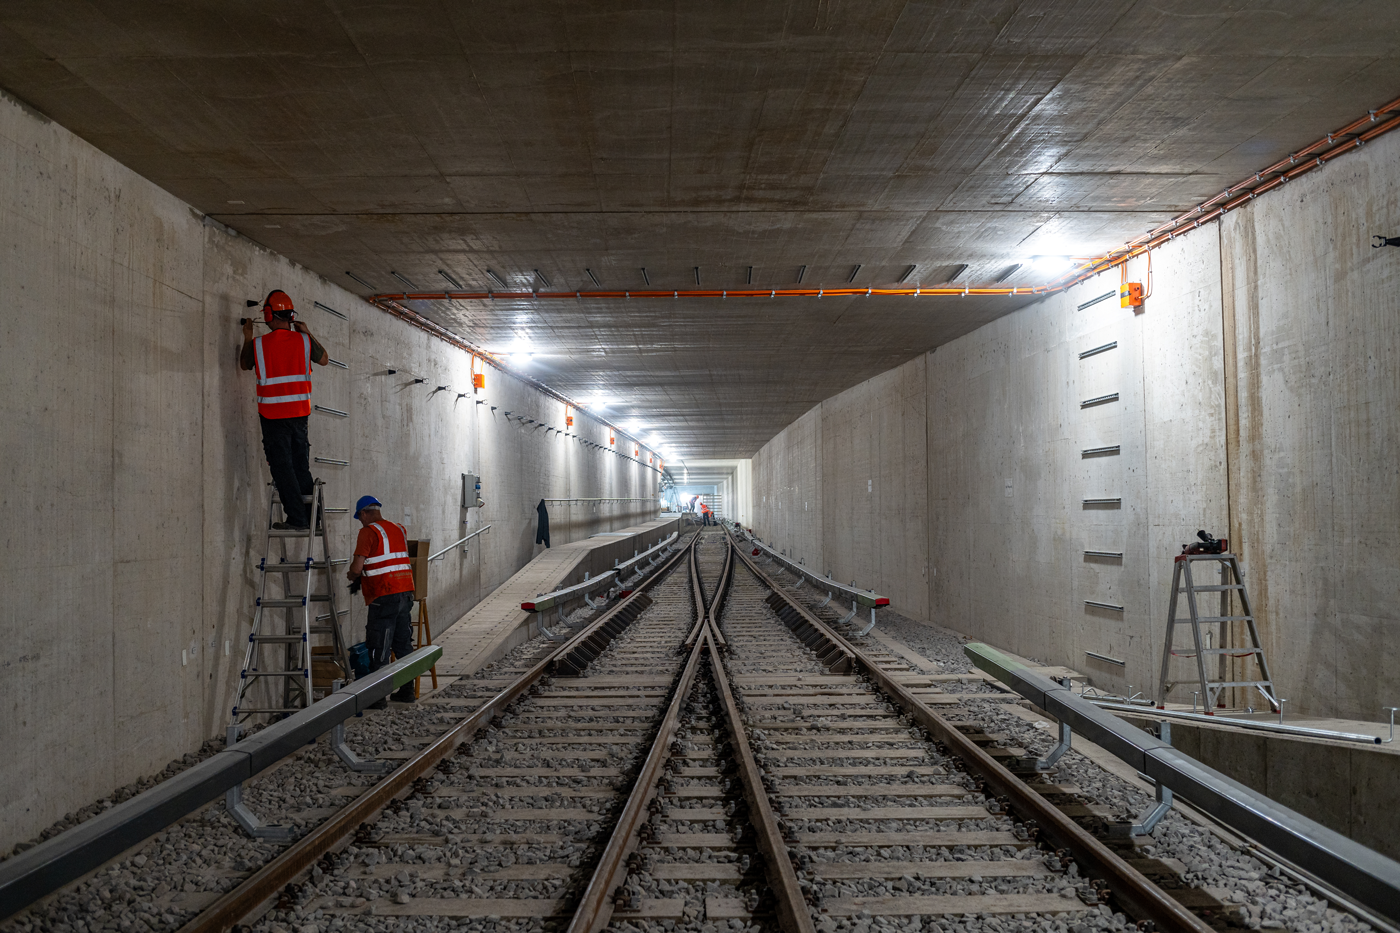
<point>387,570</point>
<point>283,366</point>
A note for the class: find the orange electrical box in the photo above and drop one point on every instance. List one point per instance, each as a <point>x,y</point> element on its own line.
<point>1130,295</point>
<point>478,380</point>
<point>611,439</point>
<point>568,421</point>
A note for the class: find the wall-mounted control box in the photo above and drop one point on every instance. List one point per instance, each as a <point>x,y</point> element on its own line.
<point>471,491</point>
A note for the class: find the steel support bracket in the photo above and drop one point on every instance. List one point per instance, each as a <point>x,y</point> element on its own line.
<point>352,761</point>
<point>233,800</point>
<point>866,631</point>
<point>829,598</point>
<point>1048,762</point>
<point>850,615</point>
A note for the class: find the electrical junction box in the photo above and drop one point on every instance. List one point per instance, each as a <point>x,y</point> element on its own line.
<point>1130,295</point>
<point>471,491</point>
<point>478,380</point>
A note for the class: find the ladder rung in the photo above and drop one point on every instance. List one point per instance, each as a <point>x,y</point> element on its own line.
<point>277,497</point>
<point>326,615</point>
<point>1223,618</point>
<point>1214,588</point>
<point>293,568</point>
<point>284,639</point>
<point>296,603</point>
<point>1240,683</point>
<point>292,533</point>
<point>322,629</point>
<point>299,675</point>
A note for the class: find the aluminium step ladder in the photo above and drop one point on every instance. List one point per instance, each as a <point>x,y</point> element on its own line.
<point>1203,644</point>
<point>285,679</point>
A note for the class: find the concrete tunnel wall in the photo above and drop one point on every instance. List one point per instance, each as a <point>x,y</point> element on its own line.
<point>135,479</point>
<point>1259,397</point>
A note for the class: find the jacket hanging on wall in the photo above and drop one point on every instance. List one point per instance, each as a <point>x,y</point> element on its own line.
<point>542,534</point>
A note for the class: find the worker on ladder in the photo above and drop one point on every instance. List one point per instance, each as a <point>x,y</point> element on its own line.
<point>382,572</point>
<point>281,359</point>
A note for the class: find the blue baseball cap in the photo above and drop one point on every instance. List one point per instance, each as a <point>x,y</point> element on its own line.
<point>366,502</point>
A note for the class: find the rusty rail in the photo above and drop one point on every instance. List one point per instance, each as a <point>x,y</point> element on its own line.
<point>287,867</point>
<point>1134,893</point>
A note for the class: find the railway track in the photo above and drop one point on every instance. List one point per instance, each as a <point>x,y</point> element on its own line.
<point>707,753</point>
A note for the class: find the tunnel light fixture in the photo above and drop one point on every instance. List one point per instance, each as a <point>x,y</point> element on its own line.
<point>403,279</point>
<point>497,279</point>
<point>645,278</point>
<point>594,278</point>
<point>360,280</point>
<point>907,273</point>
<point>635,427</point>
<point>540,275</point>
<point>801,274</point>
<point>854,269</point>
<point>1051,265</point>
<point>450,280</point>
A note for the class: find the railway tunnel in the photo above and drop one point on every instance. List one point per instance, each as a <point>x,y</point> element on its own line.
<point>840,467</point>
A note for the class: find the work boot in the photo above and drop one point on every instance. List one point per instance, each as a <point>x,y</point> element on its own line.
<point>382,703</point>
<point>404,695</point>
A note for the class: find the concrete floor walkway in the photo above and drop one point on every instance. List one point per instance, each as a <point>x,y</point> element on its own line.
<point>497,624</point>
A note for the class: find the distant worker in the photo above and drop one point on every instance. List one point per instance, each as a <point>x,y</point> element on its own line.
<point>705,509</point>
<point>382,572</point>
<point>282,360</point>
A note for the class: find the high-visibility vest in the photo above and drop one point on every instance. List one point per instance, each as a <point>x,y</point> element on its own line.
<point>387,569</point>
<point>283,367</point>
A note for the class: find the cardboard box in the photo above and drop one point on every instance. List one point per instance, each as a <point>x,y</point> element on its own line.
<point>418,552</point>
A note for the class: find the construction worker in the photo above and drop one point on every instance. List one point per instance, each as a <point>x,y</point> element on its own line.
<point>384,576</point>
<point>282,360</point>
<point>705,509</point>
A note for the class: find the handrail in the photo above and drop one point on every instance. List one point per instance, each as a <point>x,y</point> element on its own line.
<point>624,567</point>
<point>865,597</point>
<point>1277,728</point>
<point>53,863</point>
<point>612,499</point>
<point>1350,867</point>
<point>439,554</point>
<point>549,600</point>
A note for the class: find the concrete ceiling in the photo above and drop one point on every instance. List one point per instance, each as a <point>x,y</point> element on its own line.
<point>420,136</point>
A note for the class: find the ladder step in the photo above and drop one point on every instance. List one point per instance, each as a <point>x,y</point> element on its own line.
<point>276,639</point>
<point>1240,683</point>
<point>296,603</point>
<point>299,675</point>
<point>323,629</point>
<point>277,497</point>
<point>1214,588</point>
<point>1224,619</point>
<point>293,533</point>
<point>293,568</point>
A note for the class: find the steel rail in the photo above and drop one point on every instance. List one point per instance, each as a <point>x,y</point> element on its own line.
<point>1134,893</point>
<point>697,593</point>
<point>288,866</point>
<point>793,913</point>
<point>595,907</point>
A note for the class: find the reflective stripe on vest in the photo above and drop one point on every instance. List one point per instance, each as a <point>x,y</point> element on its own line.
<point>282,363</point>
<point>389,570</point>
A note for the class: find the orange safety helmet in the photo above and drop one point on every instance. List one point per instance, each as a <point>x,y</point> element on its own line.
<point>278,304</point>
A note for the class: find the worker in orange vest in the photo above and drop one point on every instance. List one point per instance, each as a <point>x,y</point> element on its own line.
<point>383,574</point>
<point>708,516</point>
<point>282,360</point>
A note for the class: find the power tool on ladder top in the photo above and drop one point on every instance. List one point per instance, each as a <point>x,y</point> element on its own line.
<point>1218,642</point>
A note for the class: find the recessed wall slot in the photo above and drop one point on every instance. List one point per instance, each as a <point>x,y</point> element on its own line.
<point>1100,451</point>
<point>1093,301</point>
<point>1099,400</point>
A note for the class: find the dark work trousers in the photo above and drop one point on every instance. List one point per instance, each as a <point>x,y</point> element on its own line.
<point>389,627</point>
<point>288,457</point>
<point>707,519</point>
